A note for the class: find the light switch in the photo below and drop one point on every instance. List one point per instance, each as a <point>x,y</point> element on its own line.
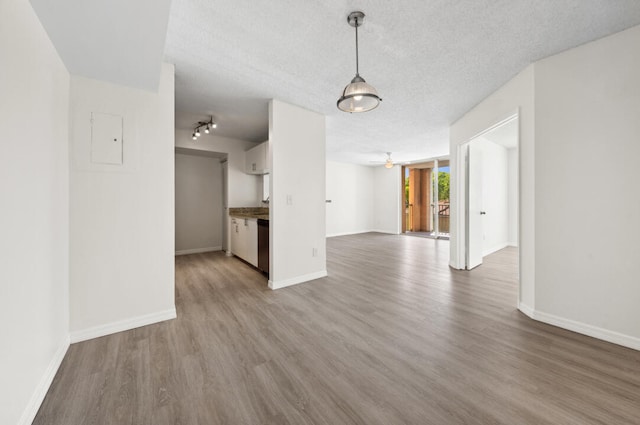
<point>106,138</point>
<point>289,200</point>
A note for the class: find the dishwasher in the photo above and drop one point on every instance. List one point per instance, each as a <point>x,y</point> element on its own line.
<point>263,246</point>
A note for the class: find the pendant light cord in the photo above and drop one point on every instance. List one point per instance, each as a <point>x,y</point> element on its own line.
<point>357,70</point>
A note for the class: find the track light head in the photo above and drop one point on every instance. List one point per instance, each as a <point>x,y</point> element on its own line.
<point>197,132</point>
<point>193,136</point>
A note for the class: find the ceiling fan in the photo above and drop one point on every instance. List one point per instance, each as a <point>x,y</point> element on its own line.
<point>388,163</point>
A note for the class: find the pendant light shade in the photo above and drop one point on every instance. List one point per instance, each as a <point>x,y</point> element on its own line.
<point>358,96</point>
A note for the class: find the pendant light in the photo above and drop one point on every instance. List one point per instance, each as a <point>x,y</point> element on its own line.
<point>358,96</point>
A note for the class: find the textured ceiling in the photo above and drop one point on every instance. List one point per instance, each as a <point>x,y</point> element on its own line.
<point>431,61</point>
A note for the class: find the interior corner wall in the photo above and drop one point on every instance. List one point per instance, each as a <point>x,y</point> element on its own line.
<point>34,223</point>
<point>388,190</point>
<point>350,189</point>
<point>297,210</point>
<point>587,198</point>
<point>122,216</point>
<point>517,95</point>
<point>198,203</point>
<point>243,190</point>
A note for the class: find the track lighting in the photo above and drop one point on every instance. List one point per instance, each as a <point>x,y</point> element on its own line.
<point>206,125</point>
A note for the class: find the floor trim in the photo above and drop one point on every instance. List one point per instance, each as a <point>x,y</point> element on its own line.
<point>582,328</point>
<point>29,413</point>
<point>198,250</point>
<point>529,311</point>
<point>358,232</point>
<point>296,280</point>
<point>122,325</point>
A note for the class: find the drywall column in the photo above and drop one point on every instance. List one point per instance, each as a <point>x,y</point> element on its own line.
<point>516,96</point>
<point>297,211</point>
<point>34,217</point>
<point>122,216</point>
<point>587,227</point>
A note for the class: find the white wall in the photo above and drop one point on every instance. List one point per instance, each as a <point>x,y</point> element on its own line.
<point>387,197</point>
<point>122,217</point>
<point>243,190</point>
<point>495,223</point>
<point>585,128</point>
<point>34,223</point>
<point>587,197</point>
<point>516,95</point>
<point>297,210</point>
<point>198,203</point>
<point>350,188</point>
<point>512,195</point>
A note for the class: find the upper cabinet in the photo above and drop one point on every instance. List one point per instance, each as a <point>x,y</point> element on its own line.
<point>256,159</point>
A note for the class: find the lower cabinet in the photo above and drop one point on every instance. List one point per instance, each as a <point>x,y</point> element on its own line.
<point>244,239</point>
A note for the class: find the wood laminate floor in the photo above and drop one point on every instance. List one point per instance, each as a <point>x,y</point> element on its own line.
<point>392,336</point>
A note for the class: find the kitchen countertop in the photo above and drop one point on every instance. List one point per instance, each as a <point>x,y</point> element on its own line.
<point>250,212</point>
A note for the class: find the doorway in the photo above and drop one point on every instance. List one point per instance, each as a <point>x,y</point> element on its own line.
<point>425,204</point>
<point>489,173</point>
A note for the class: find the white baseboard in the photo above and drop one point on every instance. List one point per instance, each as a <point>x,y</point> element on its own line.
<point>198,250</point>
<point>29,413</point>
<point>359,232</point>
<point>122,325</point>
<point>495,248</point>
<point>296,280</point>
<point>526,310</point>
<point>384,231</point>
<point>513,244</point>
<point>582,328</point>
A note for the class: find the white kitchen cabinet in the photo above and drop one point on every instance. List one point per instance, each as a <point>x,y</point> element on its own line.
<point>244,239</point>
<point>256,159</point>
<point>238,246</point>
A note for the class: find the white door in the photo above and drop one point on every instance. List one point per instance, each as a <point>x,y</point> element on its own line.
<point>474,211</point>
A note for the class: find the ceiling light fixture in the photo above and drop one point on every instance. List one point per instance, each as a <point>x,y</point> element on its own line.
<point>358,96</point>
<point>388,163</point>
<point>206,125</point>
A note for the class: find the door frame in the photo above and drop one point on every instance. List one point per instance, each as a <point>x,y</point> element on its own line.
<point>416,164</point>
<point>462,179</point>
